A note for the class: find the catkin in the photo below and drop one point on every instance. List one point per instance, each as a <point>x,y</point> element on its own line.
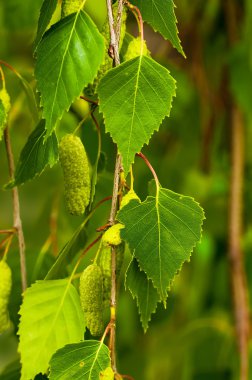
<point>5,99</point>
<point>128,197</point>
<point>91,297</point>
<point>135,49</point>
<point>108,374</point>
<point>74,162</point>
<point>5,289</point>
<point>70,6</point>
<point>112,235</point>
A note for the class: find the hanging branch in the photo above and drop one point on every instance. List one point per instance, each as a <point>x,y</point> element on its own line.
<point>114,53</point>
<point>17,223</point>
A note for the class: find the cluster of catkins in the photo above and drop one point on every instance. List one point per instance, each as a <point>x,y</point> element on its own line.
<point>5,289</point>
<point>95,281</point>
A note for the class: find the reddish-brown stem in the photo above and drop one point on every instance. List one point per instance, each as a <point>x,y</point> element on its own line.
<point>3,242</point>
<point>136,12</point>
<point>88,248</point>
<point>95,122</point>
<point>7,231</point>
<point>16,211</point>
<point>10,67</point>
<point>103,228</point>
<point>89,100</point>
<point>102,201</point>
<point>141,155</point>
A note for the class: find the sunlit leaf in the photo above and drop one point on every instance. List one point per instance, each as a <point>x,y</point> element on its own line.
<point>83,360</point>
<point>46,12</point>
<point>161,16</point>
<point>51,317</point>
<point>134,98</point>
<point>68,58</point>
<point>161,233</point>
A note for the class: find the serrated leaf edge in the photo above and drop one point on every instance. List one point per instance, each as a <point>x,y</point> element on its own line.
<point>135,297</point>
<point>89,83</point>
<point>155,129</point>
<point>168,288</point>
<point>68,284</point>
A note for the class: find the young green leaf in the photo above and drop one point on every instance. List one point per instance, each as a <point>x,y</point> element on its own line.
<point>162,231</point>
<point>51,317</point>
<point>134,98</point>
<point>83,360</point>
<point>142,289</point>
<point>46,13</point>
<point>36,155</point>
<point>68,58</point>
<point>161,16</point>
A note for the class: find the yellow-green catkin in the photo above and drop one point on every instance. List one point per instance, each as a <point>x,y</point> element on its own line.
<point>91,297</point>
<point>70,6</point>
<point>108,374</point>
<point>135,49</point>
<point>112,235</point>
<point>5,289</point>
<point>5,100</point>
<point>128,197</point>
<point>74,162</point>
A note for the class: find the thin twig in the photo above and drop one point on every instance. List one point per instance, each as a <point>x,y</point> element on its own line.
<point>17,223</point>
<point>114,53</point>
<point>113,48</point>
<point>89,100</point>
<point>7,231</point>
<point>115,190</point>
<point>119,20</point>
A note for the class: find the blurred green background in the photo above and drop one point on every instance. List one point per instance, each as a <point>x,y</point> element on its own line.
<point>194,338</point>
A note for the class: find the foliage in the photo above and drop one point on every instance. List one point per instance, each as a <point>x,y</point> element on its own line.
<point>155,228</point>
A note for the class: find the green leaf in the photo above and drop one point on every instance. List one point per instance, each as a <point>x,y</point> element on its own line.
<point>46,13</point>
<point>68,58</point>
<point>162,232</point>
<point>143,291</point>
<point>161,16</point>
<point>51,317</point>
<point>83,360</point>
<point>134,98</point>
<point>2,119</point>
<point>36,155</point>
